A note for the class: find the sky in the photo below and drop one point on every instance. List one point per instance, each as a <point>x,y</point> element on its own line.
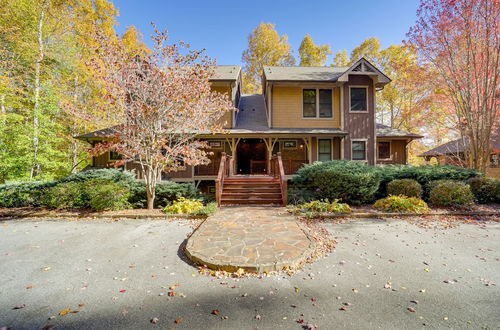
<point>222,27</point>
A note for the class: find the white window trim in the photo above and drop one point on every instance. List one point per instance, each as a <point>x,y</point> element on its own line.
<point>317,104</point>
<point>317,148</point>
<point>367,99</point>
<point>366,150</point>
<point>390,150</point>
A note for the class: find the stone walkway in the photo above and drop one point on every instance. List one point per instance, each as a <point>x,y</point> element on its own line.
<point>255,238</point>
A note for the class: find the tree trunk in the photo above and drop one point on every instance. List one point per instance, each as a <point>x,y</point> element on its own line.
<point>74,142</point>
<point>35,168</point>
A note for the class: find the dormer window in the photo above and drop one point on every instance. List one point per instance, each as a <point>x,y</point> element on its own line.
<point>358,99</point>
<point>317,103</point>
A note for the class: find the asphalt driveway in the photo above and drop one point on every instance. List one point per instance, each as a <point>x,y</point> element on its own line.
<point>118,274</point>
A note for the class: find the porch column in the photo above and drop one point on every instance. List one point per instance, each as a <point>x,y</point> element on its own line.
<point>270,142</point>
<point>308,143</point>
<point>233,144</point>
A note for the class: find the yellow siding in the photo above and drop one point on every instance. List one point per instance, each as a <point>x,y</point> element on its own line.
<point>227,119</point>
<point>287,110</point>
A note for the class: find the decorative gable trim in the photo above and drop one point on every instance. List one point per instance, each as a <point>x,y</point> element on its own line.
<point>362,66</point>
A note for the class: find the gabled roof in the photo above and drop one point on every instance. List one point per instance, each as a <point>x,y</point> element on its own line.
<point>387,131</point>
<point>457,146</point>
<point>324,73</point>
<point>226,72</point>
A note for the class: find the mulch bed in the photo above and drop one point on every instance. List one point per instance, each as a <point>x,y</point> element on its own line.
<point>32,212</point>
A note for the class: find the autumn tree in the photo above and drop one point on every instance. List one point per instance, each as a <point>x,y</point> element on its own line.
<point>369,49</point>
<point>311,54</point>
<point>265,47</point>
<point>163,101</point>
<point>461,42</point>
<point>341,59</point>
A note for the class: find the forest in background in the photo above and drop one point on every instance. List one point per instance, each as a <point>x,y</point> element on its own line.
<point>47,48</point>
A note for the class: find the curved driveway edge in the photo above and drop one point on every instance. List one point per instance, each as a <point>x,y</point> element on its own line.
<point>257,239</point>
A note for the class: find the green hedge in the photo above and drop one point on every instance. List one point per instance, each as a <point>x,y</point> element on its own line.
<point>422,174</point>
<point>405,187</point>
<point>485,190</point>
<point>451,194</point>
<point>84,189</point>
<point>166,193</point>
<point>358,183</point>
<point>350,182</point>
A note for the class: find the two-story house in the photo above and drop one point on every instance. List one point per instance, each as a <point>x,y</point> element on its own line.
<point>305,114</point>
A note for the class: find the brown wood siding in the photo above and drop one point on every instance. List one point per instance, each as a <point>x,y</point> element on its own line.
<point>287,109</point>
<point>398,152</point>
<point>360,125</point>
<point>227,118</point>
<point>101,160</point>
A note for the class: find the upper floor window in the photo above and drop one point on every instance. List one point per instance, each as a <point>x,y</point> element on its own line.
<point>358,150</point>
<point>317,103</point>
<point>384,150</point>
<point>359,98</point>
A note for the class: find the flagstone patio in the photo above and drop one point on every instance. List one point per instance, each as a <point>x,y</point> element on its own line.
<point>259,239</point>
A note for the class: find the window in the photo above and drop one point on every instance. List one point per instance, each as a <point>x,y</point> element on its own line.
<point>358,150</point>
<point>114,156</point>
<point>317,103</point>
<point>309,99</point>
<point>384,150</point>
<point>359,100</point>
<point>292,144</point>
<point>325,103</point>
<point>324,150</point>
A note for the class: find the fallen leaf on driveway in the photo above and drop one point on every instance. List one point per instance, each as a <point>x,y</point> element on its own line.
<point>216,312</point>
<point>19,306</point>
<point>123,291</point>
<point>257,317</point>
<point>48,326</point>
<point>179,320</point>
<point>81,305</point>
<point>29,287</point>
<point>311,327</point>
<point>388,285</point>
<point>342,309</point>
<point>154,320</point>
<point>46,268</point>
<point>411,309</point>
<point>67,311</point>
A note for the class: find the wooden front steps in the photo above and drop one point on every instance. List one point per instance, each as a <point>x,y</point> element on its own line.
<point>251,190</point>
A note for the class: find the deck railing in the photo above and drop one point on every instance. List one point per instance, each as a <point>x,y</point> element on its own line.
<point>278,172</point>
<point>225,170</point>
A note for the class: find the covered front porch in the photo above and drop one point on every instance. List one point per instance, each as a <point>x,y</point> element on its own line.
<point>252,155</point>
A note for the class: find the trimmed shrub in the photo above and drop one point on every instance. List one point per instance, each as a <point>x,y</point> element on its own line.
<point>451,194</point>
<point>401,204</point>
<point>106,195</point>
<point>324,206</point>
<point>166,193</point>
<point>406,187</point>
<point>184,206</point>
<point>422,174</point>
<point>65,195</point>
<point>207,210</point>
<point>125,178</point>
<point>21,194</point>
<point>351,182</point>
<point>485,190</point>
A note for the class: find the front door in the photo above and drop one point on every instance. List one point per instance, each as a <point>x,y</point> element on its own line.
<point>251,157</point>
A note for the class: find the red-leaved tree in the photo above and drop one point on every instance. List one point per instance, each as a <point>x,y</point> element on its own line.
<point>460,40</point>
<point>161,102</point>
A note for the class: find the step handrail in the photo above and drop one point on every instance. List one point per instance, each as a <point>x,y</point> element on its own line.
<point>279,173</point>
<point>225,170</point>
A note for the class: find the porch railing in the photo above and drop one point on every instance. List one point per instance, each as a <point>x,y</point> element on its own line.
<point>291,166</point>
<point>225,169</point>
<point>278,172</point>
